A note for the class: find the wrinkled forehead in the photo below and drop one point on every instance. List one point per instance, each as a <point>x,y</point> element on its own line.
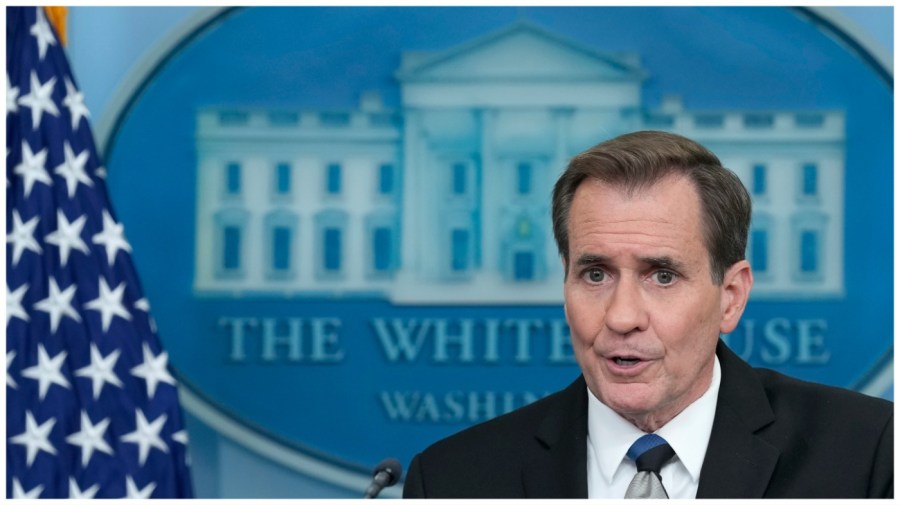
<point>667,211</point>
<point>674,191</point>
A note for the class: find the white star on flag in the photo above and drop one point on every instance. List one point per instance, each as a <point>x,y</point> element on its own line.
<point>90,438</point>
<point>58,304</point>
<point>72,169</point>
<point>14,303</point>
<point>132,491</point>
<point>20,494</point>
<point>109,303</point>
<point>42,32</point>
<point>32,168</point>
<point>146,435</point>
<point>12,95</point>
<point>22,236</point>
<point>181,437</point>
<point>112,238</point>
<point>153,370</point>
<point>77,494</point>
<point>35,438</point>
<point>143,305</point>
<point>47,371</point>
<point>39,99</point>
<point>74,100</point>
<point>101,370</point>
<point>10,356</point>
<point>67,236</point>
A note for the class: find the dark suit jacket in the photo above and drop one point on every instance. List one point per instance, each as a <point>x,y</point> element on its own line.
<point>773,436</point>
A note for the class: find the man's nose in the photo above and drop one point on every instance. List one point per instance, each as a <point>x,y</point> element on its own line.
<point>626,312</point>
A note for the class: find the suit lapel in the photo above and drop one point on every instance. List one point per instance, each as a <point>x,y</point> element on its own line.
<point>556,464</point>
<point>738,463</point>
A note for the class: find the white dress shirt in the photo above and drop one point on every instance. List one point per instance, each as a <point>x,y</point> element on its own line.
<point>609,471</point>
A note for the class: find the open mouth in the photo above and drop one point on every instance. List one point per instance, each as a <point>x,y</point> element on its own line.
<point>626,361</point>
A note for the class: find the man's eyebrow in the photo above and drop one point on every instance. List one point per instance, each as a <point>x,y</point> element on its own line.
<point>591,259</point>
<point>665,262</point>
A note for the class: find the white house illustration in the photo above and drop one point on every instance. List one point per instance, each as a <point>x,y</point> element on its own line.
<point>446,200</point>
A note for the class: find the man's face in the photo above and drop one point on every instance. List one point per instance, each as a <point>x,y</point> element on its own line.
<point>644,312</point>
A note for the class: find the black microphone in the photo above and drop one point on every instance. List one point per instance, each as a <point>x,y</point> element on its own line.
<point>386,474</point>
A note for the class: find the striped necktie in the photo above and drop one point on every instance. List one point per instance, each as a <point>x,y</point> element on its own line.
<point>649,453</point>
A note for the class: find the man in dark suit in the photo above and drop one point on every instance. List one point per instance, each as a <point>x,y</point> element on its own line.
<point>652,232</point>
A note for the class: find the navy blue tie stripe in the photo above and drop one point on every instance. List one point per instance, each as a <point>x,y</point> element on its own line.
<point>649,453</point>
<point>644,444</point>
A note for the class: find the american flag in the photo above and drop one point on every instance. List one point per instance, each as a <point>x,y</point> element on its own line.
<point>91,408</point>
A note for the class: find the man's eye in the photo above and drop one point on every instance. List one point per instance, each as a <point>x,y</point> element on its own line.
<point>664,277</point>
<point>595,275</point>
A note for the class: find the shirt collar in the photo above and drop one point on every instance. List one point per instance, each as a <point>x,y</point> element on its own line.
<point>688,433</point>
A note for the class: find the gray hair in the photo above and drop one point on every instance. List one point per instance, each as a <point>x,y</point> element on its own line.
<point>639,160</point>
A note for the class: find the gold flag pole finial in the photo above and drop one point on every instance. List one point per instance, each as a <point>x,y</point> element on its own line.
<point>57,16</point>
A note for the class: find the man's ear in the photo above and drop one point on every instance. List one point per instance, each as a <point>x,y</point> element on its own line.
<point>736,285</point>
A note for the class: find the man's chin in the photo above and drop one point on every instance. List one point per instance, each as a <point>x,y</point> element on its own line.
<point>628,400</point>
